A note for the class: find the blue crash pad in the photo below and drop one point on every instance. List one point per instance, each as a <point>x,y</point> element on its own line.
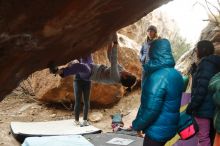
<point>70,140</point>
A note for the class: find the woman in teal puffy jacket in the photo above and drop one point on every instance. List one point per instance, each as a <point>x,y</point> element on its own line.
<point>158,114</point>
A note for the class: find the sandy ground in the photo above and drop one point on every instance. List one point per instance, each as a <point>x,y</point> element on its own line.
<point>14,108</point>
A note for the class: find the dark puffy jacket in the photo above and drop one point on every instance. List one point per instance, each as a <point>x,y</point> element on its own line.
<point>202,104</point>
<point>158,114</point>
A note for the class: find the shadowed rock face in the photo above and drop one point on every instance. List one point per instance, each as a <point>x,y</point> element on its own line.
<point>32,33</point>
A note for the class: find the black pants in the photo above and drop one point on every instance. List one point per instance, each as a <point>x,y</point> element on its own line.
<point>149,142</point>
<point>82,88</point>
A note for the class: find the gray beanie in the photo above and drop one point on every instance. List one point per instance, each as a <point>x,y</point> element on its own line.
<point>153,28</point>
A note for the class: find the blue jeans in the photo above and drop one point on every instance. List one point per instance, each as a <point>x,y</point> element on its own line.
<point>82,88</point>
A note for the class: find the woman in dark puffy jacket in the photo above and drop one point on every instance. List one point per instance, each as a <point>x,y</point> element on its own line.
<point>201,105</point>
<point>158,114</point>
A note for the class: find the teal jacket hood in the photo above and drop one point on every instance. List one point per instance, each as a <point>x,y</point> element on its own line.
<point>160,56</point>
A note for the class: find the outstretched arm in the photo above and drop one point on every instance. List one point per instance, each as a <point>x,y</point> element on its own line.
<point>112,45</point>
<point>109,51</point>
<point>113,58</point>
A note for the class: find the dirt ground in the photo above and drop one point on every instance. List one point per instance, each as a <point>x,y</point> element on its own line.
<point>23,108</point>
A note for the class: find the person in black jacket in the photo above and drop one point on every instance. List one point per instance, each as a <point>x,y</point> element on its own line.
<point>202,106</point>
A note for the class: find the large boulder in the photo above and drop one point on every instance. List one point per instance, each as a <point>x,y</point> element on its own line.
<point>34,32</point>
